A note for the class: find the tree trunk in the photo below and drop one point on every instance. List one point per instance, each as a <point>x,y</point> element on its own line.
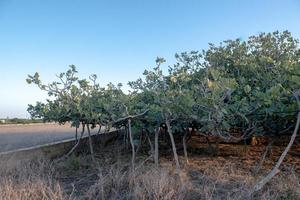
<point>263,158</point>
<point>77,142</point>
<point>125,134</point>
<point>150,143</point>
<point>132,144</point>
<point>76,134</point>
<point>173,144</point>
<point>99,131</point>
<point>156,146</point>
<point>91,142</point>
<point>141,142</point>
<point>127,138</point>
<point>185,146</point>
<point>275,170</point>
<point>106,128</point>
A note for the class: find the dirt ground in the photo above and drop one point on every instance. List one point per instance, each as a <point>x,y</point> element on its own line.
<point>13,137</point>
<point>205,177</point>
<point>227,173</point>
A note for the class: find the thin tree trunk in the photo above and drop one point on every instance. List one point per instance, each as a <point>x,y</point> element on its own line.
<point>156,146</point>
<point>99,131</point>
<point>76,134</point>
<point>150,144</point>
<point>125,135</point>
<point>263,158</point>
<point>275,170</point>
<point>128,137</point>
<point>132,144</point>
<point>141,142</point>
<point>77,143</point>
<point>106,129</point>
<point>91,142</point>
<point>137,149</point>
<point>173,144</point>
<point>185,146</point>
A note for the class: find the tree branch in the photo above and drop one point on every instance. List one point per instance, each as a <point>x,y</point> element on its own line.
<point>275,170</point>
<point>130,117</point>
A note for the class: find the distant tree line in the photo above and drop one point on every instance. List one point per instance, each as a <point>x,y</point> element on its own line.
<point>20,121</point>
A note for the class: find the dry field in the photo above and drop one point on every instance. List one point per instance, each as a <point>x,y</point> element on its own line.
<point>205,177</point>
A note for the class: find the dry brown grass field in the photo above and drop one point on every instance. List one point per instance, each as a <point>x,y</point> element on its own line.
<point>207,176</point>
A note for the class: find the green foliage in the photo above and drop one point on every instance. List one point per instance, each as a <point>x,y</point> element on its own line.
<point>245,85</point>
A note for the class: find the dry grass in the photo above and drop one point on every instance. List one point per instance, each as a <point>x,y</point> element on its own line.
<point>27,190</point>
<point>29,180</point>
<point>214,179</point>
<point>204,178</point>
<point>141,184</point>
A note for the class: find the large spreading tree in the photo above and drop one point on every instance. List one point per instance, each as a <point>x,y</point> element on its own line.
<point>249,86</point>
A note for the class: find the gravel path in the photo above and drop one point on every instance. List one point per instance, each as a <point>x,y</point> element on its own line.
<point>14,137</point>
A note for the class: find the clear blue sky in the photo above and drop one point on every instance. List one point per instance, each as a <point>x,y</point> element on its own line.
<point>117,40</point>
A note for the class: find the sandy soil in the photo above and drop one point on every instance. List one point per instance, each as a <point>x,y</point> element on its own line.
<point>14,137</point>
